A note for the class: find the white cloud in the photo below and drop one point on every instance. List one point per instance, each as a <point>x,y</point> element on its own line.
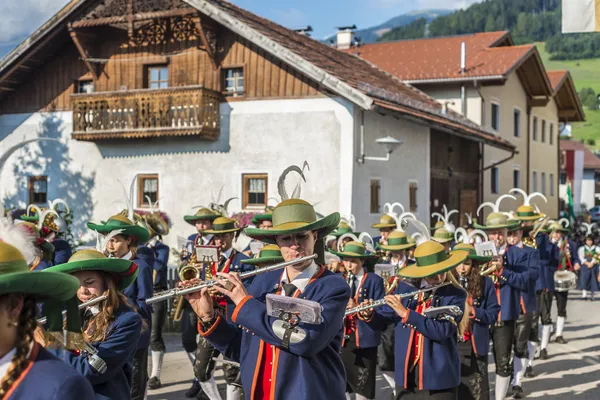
<point>22,17</point>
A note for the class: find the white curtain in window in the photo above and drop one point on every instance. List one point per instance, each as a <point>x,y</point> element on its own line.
<point>150,185</point>
<point>256,185</point>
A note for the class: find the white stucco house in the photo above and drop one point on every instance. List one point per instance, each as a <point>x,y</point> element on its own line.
<point>228,101</point>
<point>583,166</point>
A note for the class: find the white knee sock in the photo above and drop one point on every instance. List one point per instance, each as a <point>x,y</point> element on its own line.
<point>560,325</point>
<point>210,389</point>
<point>531,347</point>
<point>233,392</point>
<point>519,370</point>
<point>502,383</point>
<point>192,357</point>
<point>584,294</point>
<point>348,396</point>
<point>157,360</point>
<point>545,336</point>
<point>360,397</point>
<point>389,377</point>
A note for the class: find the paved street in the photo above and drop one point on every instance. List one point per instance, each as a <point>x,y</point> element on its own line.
<point>572,372</point>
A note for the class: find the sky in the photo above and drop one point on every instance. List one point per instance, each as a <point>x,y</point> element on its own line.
<point>19,18</point>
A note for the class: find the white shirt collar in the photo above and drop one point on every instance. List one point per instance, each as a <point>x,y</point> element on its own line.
<point>228,252</point>
<point>152,242</point>
<point>502,249</point>
<point>206,239</point>
<point>303,277</point>
<point>400,263</point>
<point>5,361</point>
<point>128,256</point>
<point>520,244</point>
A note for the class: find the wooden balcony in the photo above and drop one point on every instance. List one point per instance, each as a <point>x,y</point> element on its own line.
<point>146,113</point>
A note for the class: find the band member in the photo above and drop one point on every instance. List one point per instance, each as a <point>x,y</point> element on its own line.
<point>482,310</point>
<point>427,363</point>
<point>386,225</point>
<point>27,370</point>
<point>44,250</point>
<point>359,348</point>
<point>268,255</point>
<point>524,325</point>
<point>266,367</point>
<point>157,227</point>
<point>223,231</point>
<point>444,237</point>
<point>567,261</point>
<point>510,277</point>
<point>202,221</point>
<point>112,327</point>
<point>588,256</point>
<point>398,245</point>
<point>263,221</point>
<point>124,245</point>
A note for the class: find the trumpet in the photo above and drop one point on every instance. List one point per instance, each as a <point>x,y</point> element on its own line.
<point>491,269</point>
<point>381,302</point>
<point>188,271</point>
<point>168,294</point>
<point>90,303</point>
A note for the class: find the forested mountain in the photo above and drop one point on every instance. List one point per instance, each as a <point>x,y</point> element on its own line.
<point>528,21</point>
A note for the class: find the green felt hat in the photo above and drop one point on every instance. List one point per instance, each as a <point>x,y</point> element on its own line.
<point>222,225</point>
<point>124,271</point>
<point>439,224</point>
<point>202,213</point>
<point>527,213</point>
<point>556,227</point>
<point>431,259</point>
<point>472,252</point>
<point>385,221</point>
<point>342,229</point>
<point>121,222</point>
<point>270,254</point>
<point>354,250</point>
<point>397,241</point>
<point>442,235</point>
<point>496,220</point>
<point>293,216</point>
<point>258,218</point>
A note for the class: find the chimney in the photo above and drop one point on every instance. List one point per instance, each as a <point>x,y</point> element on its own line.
<point>345,37</point>
<point>304,31</point>
<point>463,57</point>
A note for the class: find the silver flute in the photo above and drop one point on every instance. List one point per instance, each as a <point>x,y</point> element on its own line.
<point>169,294</point>
<point>90,303</point>
<point>382,302</point>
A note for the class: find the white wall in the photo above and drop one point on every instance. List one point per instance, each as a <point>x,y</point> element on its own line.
<point>411,161</point>
<point>588,191</point>
<point>256,137</point>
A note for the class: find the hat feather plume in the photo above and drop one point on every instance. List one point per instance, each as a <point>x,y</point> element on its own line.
<point>350,220</point>
<point>564,222</point>
<point>495,206</point>
<point>588,227</point>
<point>469,218</point>
<point>422,235</point>
<point>281,182</point>
<point>340,243</point>
<point>17,236</point>
<point>388,208</point>
<point>129,198</point>
<point>104,241</point>
<point>54,203</point>
<point>528,197</point>
<point>368,241</point>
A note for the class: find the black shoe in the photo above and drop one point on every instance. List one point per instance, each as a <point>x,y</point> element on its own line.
<point>561,340</point>
<point>194,390</point>
<point>529,372</point>
<point>544,354</point>
<point>154,383</point>
<point>517,392</point>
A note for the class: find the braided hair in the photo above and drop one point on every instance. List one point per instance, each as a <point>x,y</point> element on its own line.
<point>25,328</point>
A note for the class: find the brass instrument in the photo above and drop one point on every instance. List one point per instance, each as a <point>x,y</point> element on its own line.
<point>530,242</point>
<point>186,272</point>
<point>389,285</point>
<point>493,268</point>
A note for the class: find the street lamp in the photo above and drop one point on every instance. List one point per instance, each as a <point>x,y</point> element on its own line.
<point>390,144</point>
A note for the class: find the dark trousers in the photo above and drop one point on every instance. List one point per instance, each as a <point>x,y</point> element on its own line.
<point>205,365</point>
<point>140,374</point>
<point>385,352</point>
<point>189,329</point>
<point>544,302</point>
<point>361,368</point>
<point>522,335</point>
<point>474,381</point>
<point>589,278</point>
<point>159,315</point>
<point>412,391</point>
<point>502,337</point>
<point>561,303</point>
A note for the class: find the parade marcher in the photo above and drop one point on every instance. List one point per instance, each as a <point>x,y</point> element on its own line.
<point>123,237</point>
<point>223,231</point>
<point>359,348</point>
<point>202,221</point>
<point>263,221</point>
<point>444,237</point>
<point>27,370</point>
<point>266,365</point>
<point>385,226</point>
<point>157,227</point>
<point>588,256</point>
<point>482,310</point>
<point>427,362</point>
<point>398,245</point>
<point>268,255</point>
<point>510,275</point>
<point>567,261</point>
<point>112,327</point>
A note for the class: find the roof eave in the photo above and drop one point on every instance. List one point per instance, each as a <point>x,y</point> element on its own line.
<point>272,47</point>
<point>454,80</point>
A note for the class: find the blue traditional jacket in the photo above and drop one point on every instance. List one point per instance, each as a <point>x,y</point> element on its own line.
<point>116,351</point>
<point>548,253</point>
<point>48,378</point>
<point>370,288</point>
<point>62,251</point>
<point>528,296</point>
<point>513,280</point>
<point>142,289</point>
<point>486,314</point>
<point>439,364</point>
<point>160,266</point>
<point>310,369</point>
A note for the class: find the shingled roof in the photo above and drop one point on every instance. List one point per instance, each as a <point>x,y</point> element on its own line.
<point>566,97</point>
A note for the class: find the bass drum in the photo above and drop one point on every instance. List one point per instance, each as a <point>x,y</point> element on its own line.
<point>564,280</point>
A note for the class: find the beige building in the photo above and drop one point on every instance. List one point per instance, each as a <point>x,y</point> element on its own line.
<point>502,87</point>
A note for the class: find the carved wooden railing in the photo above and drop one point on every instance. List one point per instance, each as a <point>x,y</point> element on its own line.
<point>190,110</point>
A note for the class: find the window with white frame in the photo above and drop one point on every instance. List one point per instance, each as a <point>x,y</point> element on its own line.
<point>543,177</point>
<point>517,178</point>
<point>496,116</point>
<point>517,122</point>
<point>255,190</point>
<point>147,189</point>
<point>375,203</point>
<point>534,181</point>
<point>494,181</point>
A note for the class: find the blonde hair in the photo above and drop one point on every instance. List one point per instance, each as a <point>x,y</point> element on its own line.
<point>25,328</point>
